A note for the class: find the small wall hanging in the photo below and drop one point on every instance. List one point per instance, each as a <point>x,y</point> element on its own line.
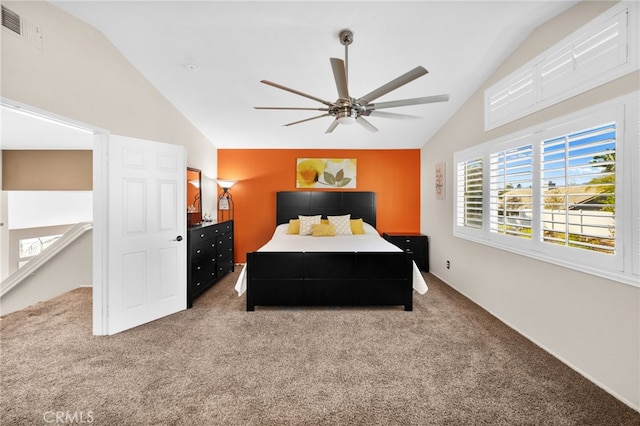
<point>440,180</point>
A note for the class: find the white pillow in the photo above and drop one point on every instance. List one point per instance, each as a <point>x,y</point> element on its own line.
<point>342,224</point>
<point>307,222</point>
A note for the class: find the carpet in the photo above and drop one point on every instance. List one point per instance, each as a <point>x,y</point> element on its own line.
<point>448,362</point>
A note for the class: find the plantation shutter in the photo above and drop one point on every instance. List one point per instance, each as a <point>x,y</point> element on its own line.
<point>510,181</point>
<point>599,52</point>
<point>578,189</point>
<point>469,193</point>
<point>511,96</point>
<point>587,57</point>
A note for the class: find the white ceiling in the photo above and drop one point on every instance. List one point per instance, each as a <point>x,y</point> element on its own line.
<point>237,44</point>
<point>22,130</point>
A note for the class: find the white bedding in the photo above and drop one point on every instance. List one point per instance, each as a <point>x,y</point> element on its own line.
<point>367,242</point>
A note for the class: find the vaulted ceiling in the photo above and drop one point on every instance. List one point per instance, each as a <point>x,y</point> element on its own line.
<point>208,57</point>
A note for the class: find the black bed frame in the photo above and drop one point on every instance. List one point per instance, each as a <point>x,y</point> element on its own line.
<point>328,278</point>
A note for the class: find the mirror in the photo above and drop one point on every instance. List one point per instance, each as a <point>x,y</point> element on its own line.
<point>194,205</point>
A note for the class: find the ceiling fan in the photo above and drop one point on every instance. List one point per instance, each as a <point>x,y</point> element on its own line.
<point>347,109</point>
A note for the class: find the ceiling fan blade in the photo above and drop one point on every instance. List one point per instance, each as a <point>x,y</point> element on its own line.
<point>340,75</point>
<point>307,119</point>
<point>393,115</point>
<point>364,123</point>
<point>270,83</point>
<point>406,102</point>
<point>294,108</point>
<point>333,125</point>
<point>393,84</point>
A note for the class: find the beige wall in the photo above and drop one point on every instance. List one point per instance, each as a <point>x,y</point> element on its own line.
<point>591,323</point>
<point>80,75</point>
<point>39,170</point>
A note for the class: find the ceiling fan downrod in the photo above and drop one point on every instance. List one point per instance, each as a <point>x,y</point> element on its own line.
<point>346,38</point>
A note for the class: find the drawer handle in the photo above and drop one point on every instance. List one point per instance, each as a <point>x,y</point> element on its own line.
<point>408,241</point>
<point>198,251</point>
<point>197,284</point>
<point>198,267</point>
<point>201,235</point>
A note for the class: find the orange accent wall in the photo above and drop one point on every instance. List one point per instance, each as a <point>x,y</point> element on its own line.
<point>393,174</point>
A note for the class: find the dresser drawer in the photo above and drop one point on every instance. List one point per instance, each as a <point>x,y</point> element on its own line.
<point>201,248</point>
<point>225,242</point>
<point>203,272</point>
<point>225,227</point>
<point>205,233</point>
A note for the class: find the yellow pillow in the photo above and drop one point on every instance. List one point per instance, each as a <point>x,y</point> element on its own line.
<point>294,226</point>
<point>323,230</point>
<point>356,226</point>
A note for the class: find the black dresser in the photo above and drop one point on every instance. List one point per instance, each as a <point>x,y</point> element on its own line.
<point>209,256</point>
<point>417,245</point>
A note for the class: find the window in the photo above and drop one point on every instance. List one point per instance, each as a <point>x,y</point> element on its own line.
<point>31,247</point>
<point>558,191</point>
<point>511,180</point>
<point>601,51</point>
<point>578,184</point>
<point>470,193</point>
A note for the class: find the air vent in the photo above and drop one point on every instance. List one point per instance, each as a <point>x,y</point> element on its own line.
<point>25,29</point>
<point>11,20</point>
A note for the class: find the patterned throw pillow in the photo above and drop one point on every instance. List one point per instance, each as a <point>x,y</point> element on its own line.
<point>323,230</point>
<point>342,224</point>
<point>306,222</point>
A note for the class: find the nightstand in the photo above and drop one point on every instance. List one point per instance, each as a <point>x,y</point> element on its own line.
<point>415,244</point>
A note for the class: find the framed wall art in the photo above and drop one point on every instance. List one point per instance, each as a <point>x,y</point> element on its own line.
<point>326,173</point>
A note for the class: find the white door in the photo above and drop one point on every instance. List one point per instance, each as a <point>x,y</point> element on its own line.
<point>4,228</point>
<point>145,252</point>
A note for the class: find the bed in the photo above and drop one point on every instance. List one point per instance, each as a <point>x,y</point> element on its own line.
<point>361,269</point>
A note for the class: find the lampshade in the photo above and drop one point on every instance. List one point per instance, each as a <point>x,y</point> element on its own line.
<point>226,184</point>
<point>195,183</point>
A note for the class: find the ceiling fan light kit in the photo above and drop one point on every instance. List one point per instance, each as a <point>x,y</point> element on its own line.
<point>346,109</point>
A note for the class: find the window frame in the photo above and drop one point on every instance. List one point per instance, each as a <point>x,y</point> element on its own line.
<point>624,265</point>
<point>526,90</point>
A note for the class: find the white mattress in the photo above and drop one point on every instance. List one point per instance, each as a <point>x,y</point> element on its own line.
<point>370,241</point>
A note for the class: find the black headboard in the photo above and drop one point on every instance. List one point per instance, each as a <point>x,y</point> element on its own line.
<point>290,204</point>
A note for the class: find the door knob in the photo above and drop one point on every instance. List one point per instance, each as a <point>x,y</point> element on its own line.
<point>178,238</point>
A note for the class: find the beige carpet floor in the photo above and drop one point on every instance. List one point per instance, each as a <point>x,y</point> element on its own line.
<point>446,363</point>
